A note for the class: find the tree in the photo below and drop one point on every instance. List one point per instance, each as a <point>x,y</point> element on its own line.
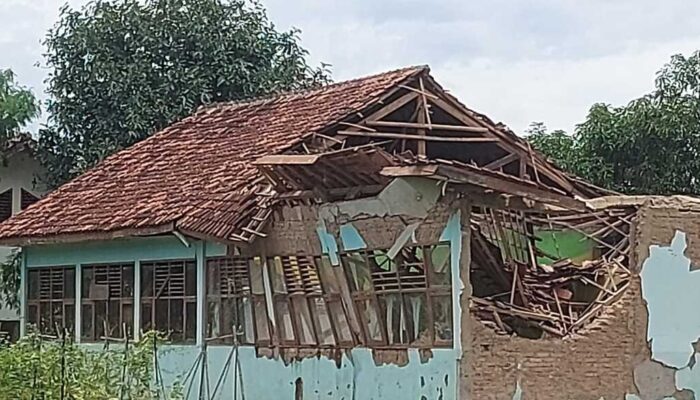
<point>18,106</point>
<point>124,69</point>
<point>650,146</point>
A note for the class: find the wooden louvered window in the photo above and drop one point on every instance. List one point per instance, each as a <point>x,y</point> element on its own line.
<point>27,199</point>
<point>51,299</point>
<point>5,205</point>
<point>405,301</point>
<point>236,301</point>
<point>169,299</point>
<point>301,311</point>
<point>107,301</point>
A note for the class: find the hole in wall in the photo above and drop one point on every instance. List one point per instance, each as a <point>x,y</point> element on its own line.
<point>299,389</point>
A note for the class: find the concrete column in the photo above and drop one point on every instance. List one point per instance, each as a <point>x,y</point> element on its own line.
<point>23,294</point>
<point>201,291</point>
<point>137,300</point>
<point>78,300</point>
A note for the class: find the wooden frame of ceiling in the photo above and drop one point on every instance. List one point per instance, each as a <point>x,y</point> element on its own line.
<point>426,95</point>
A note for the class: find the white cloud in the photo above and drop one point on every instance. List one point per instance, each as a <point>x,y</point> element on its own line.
<point>518,61</point>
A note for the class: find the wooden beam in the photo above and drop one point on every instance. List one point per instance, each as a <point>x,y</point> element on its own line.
<point>388,135</point>
<point>507,142</point>
<point>287,159</point>
<point>410,170</point>
<point>509,186</point>
<point>360,127</point>
<point>437,127</point>
<point>426,107</point>
<point>464,175</point>
<point>421,146</point>
<point>503,161</point>
<point>393,106</point>
<point>419,91</point>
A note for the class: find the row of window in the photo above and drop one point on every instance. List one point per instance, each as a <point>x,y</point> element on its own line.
<point>299,300</point>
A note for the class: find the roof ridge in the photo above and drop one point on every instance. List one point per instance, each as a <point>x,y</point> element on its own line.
<point>252,100</point>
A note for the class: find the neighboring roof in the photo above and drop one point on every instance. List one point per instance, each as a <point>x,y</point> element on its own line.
<point>21,142</point>
<point>192,175</point>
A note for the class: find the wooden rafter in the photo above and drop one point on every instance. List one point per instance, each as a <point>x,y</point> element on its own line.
<point>419,137</point>
<point>414,125</point>
<point>503,161</point>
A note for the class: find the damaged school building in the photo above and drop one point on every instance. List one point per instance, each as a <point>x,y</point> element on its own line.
<point>370,239</point>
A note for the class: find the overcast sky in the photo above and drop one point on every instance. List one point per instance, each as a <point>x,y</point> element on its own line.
<point>516,60</point>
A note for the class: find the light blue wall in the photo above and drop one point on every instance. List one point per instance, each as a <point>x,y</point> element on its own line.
<point>117,250</point>
<point>356,377</point>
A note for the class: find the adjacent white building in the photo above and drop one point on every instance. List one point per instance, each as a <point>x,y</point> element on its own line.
<point>19,188</point>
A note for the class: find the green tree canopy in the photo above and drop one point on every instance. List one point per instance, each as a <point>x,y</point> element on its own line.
<point>123,69</point>
<point>18,106</point>
<point>650,146</point>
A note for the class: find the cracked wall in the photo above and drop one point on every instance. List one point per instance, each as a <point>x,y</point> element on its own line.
<point>409,212</point>
<point>671,292</point>
<point>644,347</point>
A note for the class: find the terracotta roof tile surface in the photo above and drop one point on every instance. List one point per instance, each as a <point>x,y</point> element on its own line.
<point>194,173</point>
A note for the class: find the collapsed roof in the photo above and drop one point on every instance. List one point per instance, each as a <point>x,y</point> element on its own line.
<point>216,173</point>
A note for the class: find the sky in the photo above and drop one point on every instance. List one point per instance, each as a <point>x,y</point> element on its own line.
<point>518,61</point>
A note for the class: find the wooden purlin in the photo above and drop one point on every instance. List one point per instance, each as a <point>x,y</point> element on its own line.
<point>509,141</point>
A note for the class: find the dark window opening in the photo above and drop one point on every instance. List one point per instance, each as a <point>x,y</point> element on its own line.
<point>169,299</point>
<point>51,299</point>
<point>231,301</point>
<point>5,204</point>
<point>107,301</point>
<point>27,199</point>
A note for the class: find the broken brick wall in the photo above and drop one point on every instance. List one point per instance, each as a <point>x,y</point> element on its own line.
<point>596,363</point>
<point>610,358</point>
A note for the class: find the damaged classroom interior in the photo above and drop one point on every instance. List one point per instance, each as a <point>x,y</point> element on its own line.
<point>364,240</point>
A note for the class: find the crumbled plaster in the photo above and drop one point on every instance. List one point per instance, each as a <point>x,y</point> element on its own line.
<point>689,378</point>
<point>413,197</point>
<point>409,233</point>
<point>453,234</point>
<point>670,290</point>
<point>518,395</point>
<point>654,380</point>
<point>328,244</point>
<point>351,238</point>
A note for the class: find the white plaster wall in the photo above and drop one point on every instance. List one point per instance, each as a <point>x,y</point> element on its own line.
<point>19,173</point>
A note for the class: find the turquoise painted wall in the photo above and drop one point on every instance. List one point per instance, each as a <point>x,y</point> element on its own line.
<point>357,377</point>
<point>117,250</point>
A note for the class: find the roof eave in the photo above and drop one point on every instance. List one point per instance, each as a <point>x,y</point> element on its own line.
<point>75,237</point>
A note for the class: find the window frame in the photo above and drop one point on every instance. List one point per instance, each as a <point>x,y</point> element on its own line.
<point>123,300</point>
<point>40,302</point>
<point>153,300</point>
<point>395,283</point>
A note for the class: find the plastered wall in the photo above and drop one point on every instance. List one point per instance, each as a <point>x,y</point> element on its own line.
<point>406,212</point>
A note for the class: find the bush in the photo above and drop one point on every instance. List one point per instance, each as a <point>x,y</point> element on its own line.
<point>36,368</point>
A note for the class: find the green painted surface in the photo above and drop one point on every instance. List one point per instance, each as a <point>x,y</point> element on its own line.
<point>117,250</point>
<point>564,244</point>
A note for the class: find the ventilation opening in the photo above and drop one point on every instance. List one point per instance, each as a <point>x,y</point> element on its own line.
<point>5,204</point>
